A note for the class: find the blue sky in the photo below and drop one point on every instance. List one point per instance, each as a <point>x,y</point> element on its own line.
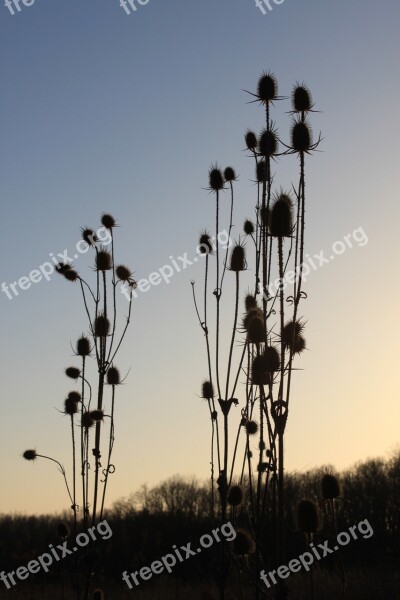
<point>105,111</point>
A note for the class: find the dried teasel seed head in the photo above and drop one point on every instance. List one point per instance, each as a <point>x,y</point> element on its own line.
<point>103,260</point>
<point>255,330</point>
<point>272,359</point>
<point>238,259</point>
<point>299,345</point>
<point>98,595</point>
<point>83,346</point>
<point>215,179</point>
<point>259,372</point>
<point>281,223</point>
<point>71,275</point>
<point>229,174</point>
<point>70,406</point>
<point>290,331</point>
<point>262,171</point>
<point>87,420</point>
<point>243,543</point>
<point>62,531</point>
<point>72,372</point>
<point>74,396</point>
<point>62,268</point>
<point>251,140</point>
<point>101,326</point>
<point>113,376</point>
<point>251,427</point>
<point>301,136</point>
<point>250,302</point>
<point>108,221</point>
<point>268,144</point>
<point>248,227</point>
<point>30,455</point>
<point>252,313</point>
<point>307,516</point>
<point>207,390</point>
<point>123,273</point>
<point>235,495</point>
<point>301,98</point>
<point>205,243</point>
<point>330,487</point>
<point>267,88</point>
<point>97,415</point>
<point>89,236</point>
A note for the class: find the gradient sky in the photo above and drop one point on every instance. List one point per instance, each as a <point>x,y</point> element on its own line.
<point>101,111</point>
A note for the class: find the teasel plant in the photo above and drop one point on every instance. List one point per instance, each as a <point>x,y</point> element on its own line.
<point>92,405</point>
<point>271,333</point>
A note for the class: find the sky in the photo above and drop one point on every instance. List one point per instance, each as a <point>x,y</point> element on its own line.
<point>105,111</point>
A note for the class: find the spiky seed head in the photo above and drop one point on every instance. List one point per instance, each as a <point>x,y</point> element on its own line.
<point>248,227</point>
<point>301,98</point>
<point>299,345</point>
<point>307,516</point>
<point>229,174</point>
<point>108,221</point>
<point>123,273</point>
<point>30,455</point>
<point>259,371</point>
<point>267,89</point>
<point>330,487</point>
<point>87,420</point>
<point>98,595</point>
<point>251,140</point>
<point>255,330</point>
<point>268,144</point>
<point>235,495</point>
<point>251,427</point>
<point>272,359</point>
<point>290,331</point>
<point>238,259</point>
<point>83,346</point>
<point>207,390</point>
<point>250,302</point>
<point>89,236</point>
<point>72,372</point>
<point>62,531</point>
<point>74,396</point>
<point>243,543</point>
<point>97,415</point>
<point>301,136</point>
<point>101,326</point>
<point>281,221</point>
<point>62,268</point>
<point>113,376</point>
<point>262,171</point>
<point>103,260</point>
<point>71,275</point>
<point>251,314</point>
<point>215,179</point>
<point>70,406</point>
<point>205,243</point>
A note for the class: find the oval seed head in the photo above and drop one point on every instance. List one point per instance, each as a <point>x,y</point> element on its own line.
<point>70,406</point>
<point>72,372</point>
<point>87,420</point>
<point>205,243</point>
<point>268,145</point>
<point>255,330</point>
<point>83,346</point>
<point>251,427</point>
<point>251,314</point>
<point>235,495</point>
<point>108,221</point>
<point>330,487</point>
<point>301,136</point>
<point>71,275</point>
<point>250,302</point>
<point>291,330</point>
<point>238,259</point>
<point>243,543</point>
<point>207,390</point>
<point>98,595</point>
<point>215,179</point>
<point>103,260</point>
<point>62,531</point>
<point>251,140</point>
<point>259,371</point>
<point>267,89</point>
<point>101,326</point>
<point>97,415</point>
<point>30,455</point>
<point>301,98</point>
<point>113,376</point>
<point>299,345</point>
<point>248,227</point>
<point>262,171</point>
<point>89,236</point>
<point>62,268</point>
<point>272,359</point>
<point>229,174</point>
<point>281,221</point>
<point>307,516</point>
<point>123,273</point>
<point>74,396</point>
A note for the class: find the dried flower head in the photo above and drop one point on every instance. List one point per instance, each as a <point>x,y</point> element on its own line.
<point>252,313</point>
<point>267,89</point>
<point>248,227</point>
<point>235,495</point>
<point>251,427</point>
<point>101,326</point>
<point>89,236</point>
<point>268,144</point>
<point>207,390</point>
<point>62,268</point>
<point>243,543</point>
<point>330,487</point>
<point>255,330</point>
<point>215,179</point>
<point>113,376</point>
<point>108,221</point>
<point>307,516</point>
<point>205,243</point>
<point>83,346</point>
<point>229,174</point>
<point>74,396</point>
<point>251,140</point>
<point>301,98</point>
<point>30,455</point>
<point>123,273</point>
<point>281,223</point>
<point>71,275</point>
<point>262,171</point>
<point>259,372</point>
<point>301,136</point>
<point>272,359</point>
<point>72,372</point>
<point>70,406</point>
<point>238,259</point>
<point>87,420</point>
<point>103,260</point>
<point>97,415</point>
<point>250,302</point>
<point>62,531</point>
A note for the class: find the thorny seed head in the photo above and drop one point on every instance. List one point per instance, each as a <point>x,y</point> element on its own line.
<point>74,396</point>
<point>301,98</point>
<point>30,455</point>
<point>72,372</point>
<point>103,261</point>
<point>83,346</point>
<point>205,243</point>
<point>330,487</point>
<point>229,174</point>
<point>251,140</point>
<point>89,236</point>
<point>71,275</point>
<point>268,144</point>
<point>101,326</point>
<point>307,516</point>
<point>215,178</point>
<point>248,227</point>
<point>235,495</point>
<point>292,336</point>
<point>113,376</point>
<point>62,268</point>
<point>301,136</point>
<point>123,273</point>
<point>251,427</point>
<point>243,543</point>
<point>87,420</point>
<point>97,415</point>
<point>262,171</point>
<point>267,89</point>
<point>259,372</point>
<point>251,314</point>
<point>255,330</point>
<point>238,259</point>
<point>250,302</point>
<point>108,221</point>
<point>281,222</point>
<point>272,359</point>
<point>62,531</point>
<point>207,390</point>
<point>70,406</point>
